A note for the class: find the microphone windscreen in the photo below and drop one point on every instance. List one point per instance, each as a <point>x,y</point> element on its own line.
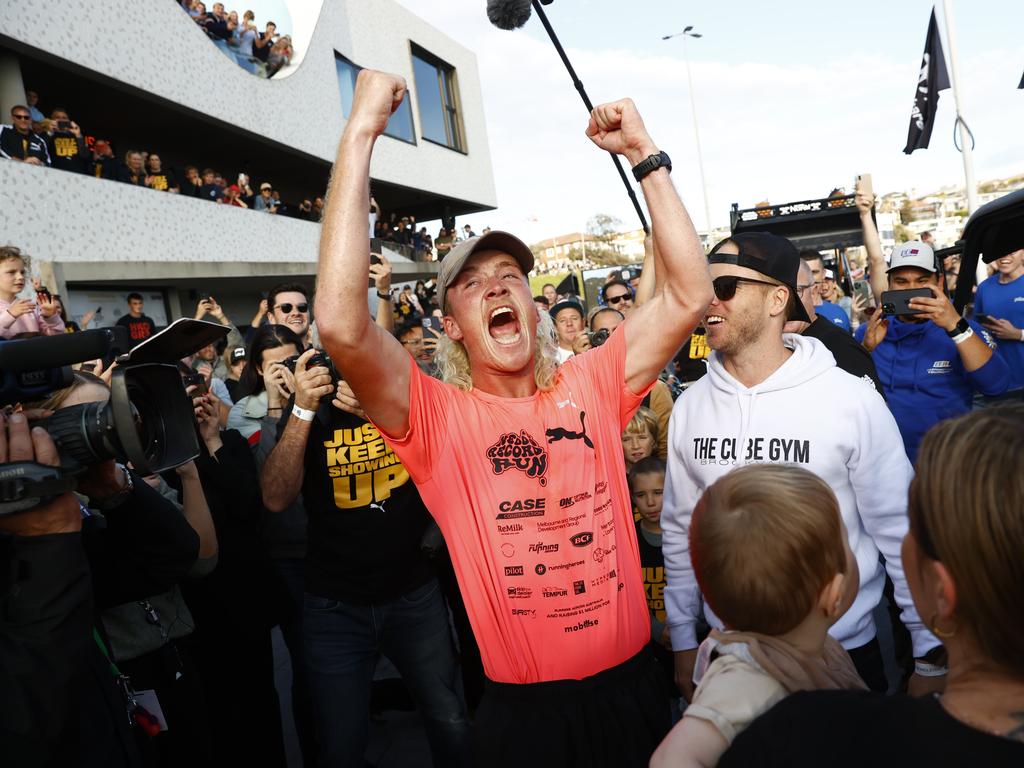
<point>508,14</point>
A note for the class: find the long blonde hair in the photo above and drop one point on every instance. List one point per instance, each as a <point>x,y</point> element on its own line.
<point>452,360</point>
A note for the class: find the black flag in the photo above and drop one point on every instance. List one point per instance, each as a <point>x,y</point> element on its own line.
<point>1021,82</point>
<point>933,78</point>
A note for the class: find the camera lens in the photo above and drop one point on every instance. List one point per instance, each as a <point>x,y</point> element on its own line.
<point>85,433</point>
<point>889,309</point>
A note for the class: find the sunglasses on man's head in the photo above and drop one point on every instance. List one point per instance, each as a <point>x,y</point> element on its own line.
<point>725,286</point>
<point>286,308</point>
<point>617,299</point>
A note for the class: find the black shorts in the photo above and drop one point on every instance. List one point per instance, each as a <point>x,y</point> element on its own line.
<point>615,718</point>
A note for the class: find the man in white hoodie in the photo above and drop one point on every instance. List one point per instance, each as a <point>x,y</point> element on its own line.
<point>752,407</point>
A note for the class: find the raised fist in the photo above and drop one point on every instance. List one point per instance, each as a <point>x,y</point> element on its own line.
<point>617,127</point>
<point>377,96</point>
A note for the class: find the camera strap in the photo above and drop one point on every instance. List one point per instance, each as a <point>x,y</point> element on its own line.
<point>26,484</point>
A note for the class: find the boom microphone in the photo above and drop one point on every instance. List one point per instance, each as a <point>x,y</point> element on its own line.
<point>513,14</point>
<point>508,14</point>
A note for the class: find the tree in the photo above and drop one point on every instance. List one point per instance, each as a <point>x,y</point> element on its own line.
<point>602,230</point>
<point>906,212</point>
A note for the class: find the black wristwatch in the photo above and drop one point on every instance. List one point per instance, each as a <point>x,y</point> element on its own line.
<point>383,295</point>
<point>652,163</point>
<point>960,327</point>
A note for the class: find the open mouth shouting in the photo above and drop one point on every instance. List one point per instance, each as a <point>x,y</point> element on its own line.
<point>503,325</point>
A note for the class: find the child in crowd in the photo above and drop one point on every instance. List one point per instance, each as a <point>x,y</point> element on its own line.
<point>640,437</point>
<point>772,558</point>
<point>19,316</point>
<point>646,487</point>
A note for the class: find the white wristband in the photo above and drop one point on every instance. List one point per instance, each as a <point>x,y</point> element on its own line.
<point>962,337</point>
<point>1022,334</point>
<point>924,669</point>
<point>302,413</point>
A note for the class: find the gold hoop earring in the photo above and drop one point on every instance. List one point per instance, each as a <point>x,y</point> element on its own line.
<point>940,633</point>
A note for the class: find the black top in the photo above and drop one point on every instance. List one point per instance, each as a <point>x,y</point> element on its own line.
<point>858,728</point>
<point>23,145</point>
<point>67,151</point>
<point>263,54</point>
<point>366,518</point>
<point>849,354</point>
<point>163,180</point>
<point>211,192</point>
<point>139,328</point>
<point>128,176</point>
<point>103,168</point>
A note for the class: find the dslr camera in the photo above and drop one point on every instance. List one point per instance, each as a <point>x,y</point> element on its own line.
<point>319,358</point>
<point>597,338</point>
<point>147,421</point>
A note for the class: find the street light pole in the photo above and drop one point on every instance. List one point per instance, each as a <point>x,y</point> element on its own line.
<point>688,32</point>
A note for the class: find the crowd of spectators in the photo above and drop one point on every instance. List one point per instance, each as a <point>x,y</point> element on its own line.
<point>266,53</point>
<point>726,537</point>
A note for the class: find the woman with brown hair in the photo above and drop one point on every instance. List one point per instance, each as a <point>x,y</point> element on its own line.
<point>964,560</point>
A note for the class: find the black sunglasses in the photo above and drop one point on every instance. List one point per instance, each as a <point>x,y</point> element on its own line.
<point>617,299</point>
<point>725,287</point>
<point>286,308</point>
<point>22,117</point>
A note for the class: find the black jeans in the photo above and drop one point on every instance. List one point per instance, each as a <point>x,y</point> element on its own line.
<point>613,719</point>
<point>868,661</point>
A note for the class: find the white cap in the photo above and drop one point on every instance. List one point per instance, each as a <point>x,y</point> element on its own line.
<point>912,254</point>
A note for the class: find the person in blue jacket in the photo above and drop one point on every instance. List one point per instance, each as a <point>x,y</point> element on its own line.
<point>930,363</point>
<point>999,306</point>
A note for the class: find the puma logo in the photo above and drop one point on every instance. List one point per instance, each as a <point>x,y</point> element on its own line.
<point>561,433</point>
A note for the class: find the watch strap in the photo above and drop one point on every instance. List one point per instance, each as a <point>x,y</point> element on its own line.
<point>652,163</point>
<point>959,329</point>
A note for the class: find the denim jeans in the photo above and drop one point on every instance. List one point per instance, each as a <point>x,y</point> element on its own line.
<point>343,641</point>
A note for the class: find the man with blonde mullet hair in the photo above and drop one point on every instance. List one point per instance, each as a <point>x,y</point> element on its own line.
<point>521,464</point>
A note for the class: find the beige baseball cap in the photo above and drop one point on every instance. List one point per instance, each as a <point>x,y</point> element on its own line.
<point>495,240</point>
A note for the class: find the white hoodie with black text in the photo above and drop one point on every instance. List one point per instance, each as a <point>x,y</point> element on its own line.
<point>811,414</point>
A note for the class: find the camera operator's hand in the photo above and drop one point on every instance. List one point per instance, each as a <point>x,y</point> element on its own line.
<point>312,384</point>
<point>279,383</point>
<point>345,400</point>
<point>21,307</point>
<point>581,343</point>
<point>19,443</point>
<point>107,374</point>
<point>381,273</point>
<point>104,480</point>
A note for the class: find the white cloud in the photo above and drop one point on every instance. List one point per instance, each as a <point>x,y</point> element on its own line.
<point>777,132</point>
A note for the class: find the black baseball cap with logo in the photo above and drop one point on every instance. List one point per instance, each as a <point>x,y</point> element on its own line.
<point>771,255</point>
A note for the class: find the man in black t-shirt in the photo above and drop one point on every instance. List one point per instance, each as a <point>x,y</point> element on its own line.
<point>65,144</point>
<point>264,42</point>
<point>849,354</point>
<point>103,164</point>
<point>159,178</point>
<point>370,589</point>
<point>18,142</point>
<point>140,327</point>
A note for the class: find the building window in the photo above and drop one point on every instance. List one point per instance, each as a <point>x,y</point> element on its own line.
<point>437,94</point>
<point>400,124</point>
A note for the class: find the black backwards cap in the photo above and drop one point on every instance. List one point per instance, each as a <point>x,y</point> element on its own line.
<point>771,255</point>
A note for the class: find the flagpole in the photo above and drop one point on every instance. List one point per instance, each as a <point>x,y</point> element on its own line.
<point>981,273</point>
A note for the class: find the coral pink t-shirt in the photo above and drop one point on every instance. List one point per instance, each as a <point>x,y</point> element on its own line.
<point>532,498</point>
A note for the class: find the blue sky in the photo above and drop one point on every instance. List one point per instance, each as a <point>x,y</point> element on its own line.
<point>793,99</point>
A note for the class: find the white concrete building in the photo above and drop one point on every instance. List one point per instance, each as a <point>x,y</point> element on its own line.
<point>146,77</point>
